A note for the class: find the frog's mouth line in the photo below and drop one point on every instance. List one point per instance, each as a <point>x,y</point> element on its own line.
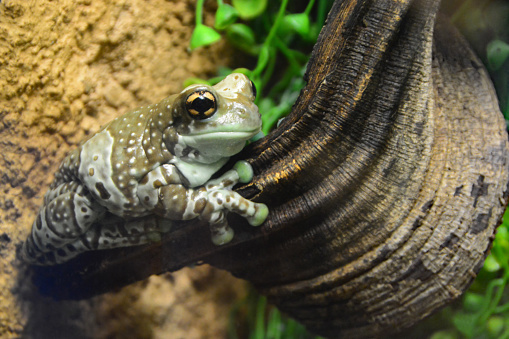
<point>212,136</point>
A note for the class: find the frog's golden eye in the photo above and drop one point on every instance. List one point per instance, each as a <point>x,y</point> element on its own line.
<point>201,105</point>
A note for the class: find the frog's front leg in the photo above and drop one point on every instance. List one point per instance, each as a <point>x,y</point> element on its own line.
<point>68,213</point>
<point>164,193</point>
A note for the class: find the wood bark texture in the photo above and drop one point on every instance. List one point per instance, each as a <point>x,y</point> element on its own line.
<point>385,184</point>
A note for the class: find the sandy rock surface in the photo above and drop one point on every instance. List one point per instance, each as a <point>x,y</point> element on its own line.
<point>66,68</point>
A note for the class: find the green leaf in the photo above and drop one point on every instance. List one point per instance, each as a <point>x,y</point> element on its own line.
<point>298,23</point>
<point>249,9</point>
<point>472,301</point>
<point>263,59</point>
<point>465,323</point>
<point>195,81</point>
<point>495,326</point>
<point>203,36</point>
<point>242,36</point>
<point>491,264</point>
<point>225,16</point>
<point>497,52</point>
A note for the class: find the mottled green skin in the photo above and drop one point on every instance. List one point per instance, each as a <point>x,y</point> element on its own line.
<point>153,161</point>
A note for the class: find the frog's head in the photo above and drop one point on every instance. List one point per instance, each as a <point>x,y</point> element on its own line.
<point>214,122</point>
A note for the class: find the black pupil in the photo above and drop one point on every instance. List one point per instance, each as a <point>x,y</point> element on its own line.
<point>202,105</point>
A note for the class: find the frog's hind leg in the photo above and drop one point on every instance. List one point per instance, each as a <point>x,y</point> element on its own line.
<point>112,231</point>
<point>68,212</point>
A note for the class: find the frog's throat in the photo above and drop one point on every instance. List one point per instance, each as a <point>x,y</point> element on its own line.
<point>214,146</point>
<point>198,174</point>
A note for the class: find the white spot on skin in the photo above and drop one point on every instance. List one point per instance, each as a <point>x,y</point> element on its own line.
<point>101,144</point>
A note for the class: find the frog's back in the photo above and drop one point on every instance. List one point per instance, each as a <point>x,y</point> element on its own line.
<point>114,160</point>
<point>122,131</point>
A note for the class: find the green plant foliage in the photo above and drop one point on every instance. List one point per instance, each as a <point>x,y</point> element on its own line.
<point>203,36</point>
<point>249,9</point>
<point>485,306</point>
<point>242,37</point>
<point>225,15</point>
<point>295,23</point>
<point>497,54</point>
<point>265,321</point>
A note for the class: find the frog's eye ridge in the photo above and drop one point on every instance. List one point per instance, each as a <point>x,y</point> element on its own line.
<point>201,104</point>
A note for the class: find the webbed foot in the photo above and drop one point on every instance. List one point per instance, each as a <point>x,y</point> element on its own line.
<point>224,200</point>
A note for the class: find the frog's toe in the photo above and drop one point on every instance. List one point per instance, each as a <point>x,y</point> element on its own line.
<point>222,235</point>
<point>262,211</point>
<point>244,170</point>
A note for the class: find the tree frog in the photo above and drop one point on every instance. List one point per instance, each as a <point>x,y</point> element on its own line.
<point>125,184</point>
